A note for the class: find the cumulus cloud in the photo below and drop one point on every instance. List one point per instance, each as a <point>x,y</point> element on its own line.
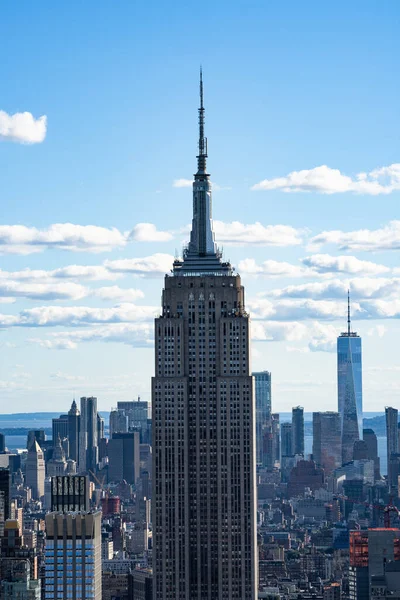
<point>54,316</point>
<point>256,234</point>
<point>324,263</point>
<point>367,240</point>
<point>147,232</point>
<point>131,334</point>
<point>89,273</point>
<point>156,264</point>
<point>360,287</point>
<point>39,291</point>
<point>19,239</point>
<point>55,344</point>
<point>22,128</point>
<point>182,183</point>
<point>323,179</point>
<point>318,337</point>
<point>274,268</point>
<point>323,338</point>
<point>317,265</point>
<point>118,294</point>
<point>301,309</point>
<point>188,183</point>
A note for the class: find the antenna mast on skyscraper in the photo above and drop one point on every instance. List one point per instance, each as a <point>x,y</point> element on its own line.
<point>201,159</point>
<point>348,313</point>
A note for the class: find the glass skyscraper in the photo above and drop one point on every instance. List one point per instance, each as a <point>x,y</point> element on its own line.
<point>73,556</point>
<point>262,385</point>
<point>327,446</point>
<point>349,388</point>
<point>298,430</point>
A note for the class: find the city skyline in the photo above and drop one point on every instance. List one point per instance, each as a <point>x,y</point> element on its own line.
<point>108,159</point>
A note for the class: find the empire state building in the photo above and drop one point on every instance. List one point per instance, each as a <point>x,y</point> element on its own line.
<point>204,495</point>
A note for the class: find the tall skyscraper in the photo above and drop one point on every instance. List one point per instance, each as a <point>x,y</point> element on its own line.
<point>60,428</point>
<point>371,440</point>
<point>204,527</point>
<point>298,430</point>
<point>35,470</point>
<point>137,412</point>
<point>88,447</point>
<point>5,491</point>
<point>349,388</point>
<point>73,431</point>
<point>73,556</point>
<point>392,445</point>
<point>262,387</point>
<point>327,441</point>
<point>118,422</point>
<point>286,439</point>
<point>124,457</point>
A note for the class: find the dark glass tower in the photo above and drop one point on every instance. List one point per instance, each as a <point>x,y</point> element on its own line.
<point>262,385</point>
<point>88,444</point>
<point>203,422</point>
<point>349,388</point>
<point>73,431</point>
<point>5,487</point>
<point>298,430</point>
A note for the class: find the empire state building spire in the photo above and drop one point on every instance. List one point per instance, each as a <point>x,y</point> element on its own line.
<point>202,256</point>
<point>201,159</point>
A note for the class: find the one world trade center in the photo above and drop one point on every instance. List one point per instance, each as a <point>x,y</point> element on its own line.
<point>349,388</point>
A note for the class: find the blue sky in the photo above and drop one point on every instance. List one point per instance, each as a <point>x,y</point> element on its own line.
<point>300,96</point>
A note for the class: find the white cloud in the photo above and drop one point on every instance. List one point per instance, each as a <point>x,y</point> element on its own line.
<point>19,239</point>
<point>188,183</point>
<point>360,287</point>
<point>90,273</point>
<point>301,309</point>
<point>325,180</point>
<point>54,316</point>
<point>22,128</point>
<point>156,264</point>
<point>147,232</point>
<point>319,337</point>
<point>317,265</point>
<point>38,291</point>
<point>274,268</point>
<point>131,334</point>
<point>118,294</point>
<point>256,234</point>
<point>182,183</point>
<point>323,338</point>
<point>54,344</point>
<point>368,240</point>
<point>324,263</point>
